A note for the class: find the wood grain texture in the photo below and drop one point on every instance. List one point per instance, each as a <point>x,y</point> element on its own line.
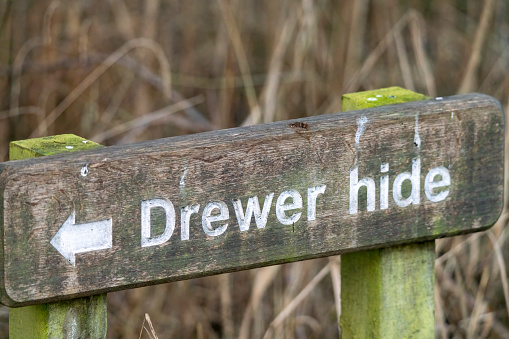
<point>38,195</point>
<point>388,292</point>
<point>76,318</point>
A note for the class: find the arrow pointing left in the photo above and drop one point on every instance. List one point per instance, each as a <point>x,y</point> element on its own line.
<point>74,238</point>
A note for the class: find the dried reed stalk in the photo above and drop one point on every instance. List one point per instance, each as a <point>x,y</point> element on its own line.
<point>469,83</point>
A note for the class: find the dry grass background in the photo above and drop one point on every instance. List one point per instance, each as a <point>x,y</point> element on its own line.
<point>121,71</point>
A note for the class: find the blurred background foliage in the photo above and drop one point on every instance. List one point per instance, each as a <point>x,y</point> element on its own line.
<point>121,71</point>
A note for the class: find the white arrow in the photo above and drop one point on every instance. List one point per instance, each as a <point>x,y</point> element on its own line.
<point>71,238</point>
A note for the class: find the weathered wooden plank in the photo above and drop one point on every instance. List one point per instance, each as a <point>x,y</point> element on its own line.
<point>388,292</point>
<point>76,318</point>
<point>279,163</point>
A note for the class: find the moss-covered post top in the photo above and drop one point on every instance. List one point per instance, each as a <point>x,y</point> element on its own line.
<point>379,97</point>
<point>170,209</point>
<point>55,144</point>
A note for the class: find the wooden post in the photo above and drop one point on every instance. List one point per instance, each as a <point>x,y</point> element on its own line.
<point>389,292</point>
<point>76,318</point>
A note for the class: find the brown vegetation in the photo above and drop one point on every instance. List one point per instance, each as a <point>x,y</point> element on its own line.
<point>120,71</point>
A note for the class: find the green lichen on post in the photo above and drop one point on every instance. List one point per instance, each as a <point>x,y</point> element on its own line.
<point>38,147</point>
<point>28,322</point>
<point>379,97</point>
<point>77,318</point>
<point>382,292</point>
<point>389,292</point>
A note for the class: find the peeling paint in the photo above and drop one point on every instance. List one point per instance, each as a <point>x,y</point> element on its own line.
<point>146,206</point>
<point>355,185</point>
<point>417,137</point>
<point>84,170</point>
<point>361,128</point>
<point>182,182</point>
<point>252,207</point>
<point>430,184</point>
<point>208,218</point>
<point>281,207</point>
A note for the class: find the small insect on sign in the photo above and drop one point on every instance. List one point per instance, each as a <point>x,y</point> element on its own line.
<point>124,216</point>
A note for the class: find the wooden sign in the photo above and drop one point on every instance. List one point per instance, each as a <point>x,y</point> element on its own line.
<point>171,209</point>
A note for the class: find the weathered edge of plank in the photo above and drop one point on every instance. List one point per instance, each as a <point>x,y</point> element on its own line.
<point>389,292</point>
<point>77,318</point>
